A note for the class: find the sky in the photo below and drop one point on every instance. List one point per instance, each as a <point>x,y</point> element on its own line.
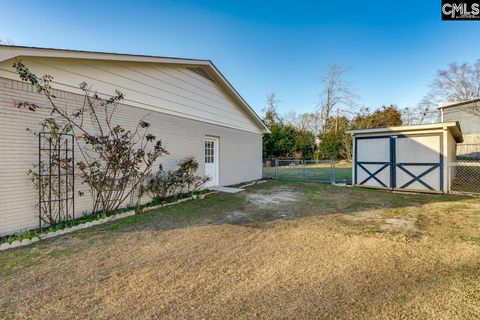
<point>392,48</point>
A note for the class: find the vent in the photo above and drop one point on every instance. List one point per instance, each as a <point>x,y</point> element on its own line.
<point>201,72</point>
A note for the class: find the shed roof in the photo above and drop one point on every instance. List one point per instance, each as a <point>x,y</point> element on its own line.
<point>447,105</point>
<point>8,52</point>
<point>453,127</point>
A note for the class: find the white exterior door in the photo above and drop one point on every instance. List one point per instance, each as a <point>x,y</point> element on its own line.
<point>211,160</point>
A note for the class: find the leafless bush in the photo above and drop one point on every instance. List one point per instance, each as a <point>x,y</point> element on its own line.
<point>163,184</point>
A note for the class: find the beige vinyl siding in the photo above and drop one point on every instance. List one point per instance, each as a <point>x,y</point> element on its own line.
<point>466,115</point>
<point>473,138</point>
<point>166,88</point>
<point>240,151</point>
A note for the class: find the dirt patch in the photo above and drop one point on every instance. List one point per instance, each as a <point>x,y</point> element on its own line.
<point>236,217</point>
<point>399,225</point>
<point>364,216</point>
<point>276,198</point>
<point>239,217</point>
<point>386,224</point>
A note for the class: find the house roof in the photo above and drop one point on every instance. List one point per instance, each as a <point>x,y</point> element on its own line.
<point>9,52</point>
<point>446,105</point>
<point>453,127</point>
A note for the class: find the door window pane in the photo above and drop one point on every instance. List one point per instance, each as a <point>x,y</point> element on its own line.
<point>209,152</point>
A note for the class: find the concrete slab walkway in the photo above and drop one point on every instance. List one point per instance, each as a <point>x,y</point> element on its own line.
<point>226,189</point>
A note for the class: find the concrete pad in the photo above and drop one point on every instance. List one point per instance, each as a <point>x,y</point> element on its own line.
<point>226,189</point>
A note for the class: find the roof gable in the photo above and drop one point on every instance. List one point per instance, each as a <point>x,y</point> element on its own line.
<point>186,87</point>
<point>447,105</point>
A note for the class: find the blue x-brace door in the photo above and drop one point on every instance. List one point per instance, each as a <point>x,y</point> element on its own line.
<point>384,173</point>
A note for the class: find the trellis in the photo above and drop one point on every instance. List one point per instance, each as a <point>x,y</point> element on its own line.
<point>56,178</point>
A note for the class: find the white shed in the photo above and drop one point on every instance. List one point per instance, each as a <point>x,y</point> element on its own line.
<point>411,158</point>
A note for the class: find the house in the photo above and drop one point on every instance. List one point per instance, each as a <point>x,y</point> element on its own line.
<point>192,108</point>
<point>467,113</point>
<point>411,158</point>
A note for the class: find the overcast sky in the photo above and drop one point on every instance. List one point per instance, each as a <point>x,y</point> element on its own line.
<point>392,47</point>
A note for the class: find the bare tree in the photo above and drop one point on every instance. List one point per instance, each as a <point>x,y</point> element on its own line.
<point>457,83</point>
<point>308,121</point>
<point>271,110</point>
<point>337,93</point>
<point>311,121</point>
<point>292,118</point>
<point>460,82</point>
<point>424,112</point>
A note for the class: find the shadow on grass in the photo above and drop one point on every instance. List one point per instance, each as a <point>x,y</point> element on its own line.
<point>304,200</point>
<point>311,199</point>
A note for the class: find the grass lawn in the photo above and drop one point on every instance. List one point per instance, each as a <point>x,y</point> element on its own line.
<point>313,172</point>
<point>277,250</point>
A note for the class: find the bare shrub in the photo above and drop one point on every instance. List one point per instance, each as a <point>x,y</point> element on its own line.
<point>163,184</point>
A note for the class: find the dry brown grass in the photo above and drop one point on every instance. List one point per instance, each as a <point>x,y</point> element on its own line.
<point>334,257</point>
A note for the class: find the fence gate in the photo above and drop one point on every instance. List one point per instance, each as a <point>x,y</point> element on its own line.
<point>412,162</point>
<point>55,179</point>
<point>323,171</point>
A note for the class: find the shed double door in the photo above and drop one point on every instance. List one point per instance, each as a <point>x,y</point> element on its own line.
<point>411,162</point>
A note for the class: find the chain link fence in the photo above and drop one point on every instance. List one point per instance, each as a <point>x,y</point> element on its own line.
<point>323,171</point>
<point>464,176</point>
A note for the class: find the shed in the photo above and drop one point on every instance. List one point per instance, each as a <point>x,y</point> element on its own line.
<point>413,158</point>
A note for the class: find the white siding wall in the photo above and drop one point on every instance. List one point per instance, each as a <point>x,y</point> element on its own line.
<point>166,88</point>
<point>240,151</point>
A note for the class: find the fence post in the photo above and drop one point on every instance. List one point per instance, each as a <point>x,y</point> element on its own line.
<point>332,171</point>
<point>449,177</point>
<point>303,169</point>
<point>276,169</point>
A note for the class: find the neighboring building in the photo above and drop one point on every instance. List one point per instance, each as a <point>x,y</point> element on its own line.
<point>411,158</point>
<point>192,108</point>
<point>467,113</point>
